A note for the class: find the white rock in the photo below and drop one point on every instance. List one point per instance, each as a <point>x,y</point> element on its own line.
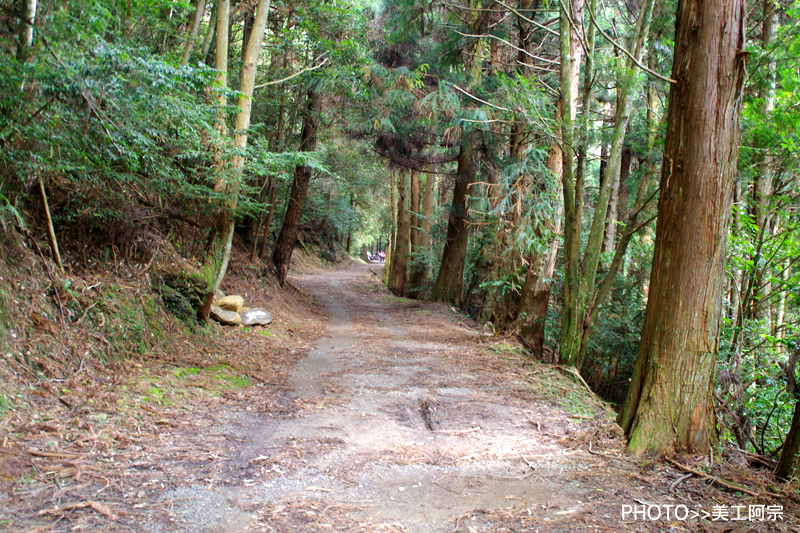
<point>256,317</point>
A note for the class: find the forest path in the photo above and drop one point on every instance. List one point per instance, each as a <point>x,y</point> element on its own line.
<point>406,421</point>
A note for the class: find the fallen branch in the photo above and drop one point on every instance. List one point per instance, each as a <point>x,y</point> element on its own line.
<point>679,481</point>
<point>51,455</point>
<point>97,506</point>
<point>574,372</point>
<point>719,481</point>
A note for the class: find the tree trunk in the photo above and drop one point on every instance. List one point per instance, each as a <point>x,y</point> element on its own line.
<point>26,21</point>
<point>287,237</point>
<point>570,53</point>
<point>582,288</point>
<point>273,189</point>
<point>535,297</point>
<point>197,18</point>
<point>212,28</point>
<point>390,237</point>
<point>610,232</point>
<point>789,462</point>
<point>450,282</point>
<point>670,403</point>
<point>762,186</point>
<point>420,274</point>
<point>414,210</point>
<point>230,183</point>
<point>217,259</point>
<point>400,252</point>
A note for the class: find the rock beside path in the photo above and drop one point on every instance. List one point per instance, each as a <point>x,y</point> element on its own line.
<point>225,317</point>
<point>256,317</point>
<point>233,303</point>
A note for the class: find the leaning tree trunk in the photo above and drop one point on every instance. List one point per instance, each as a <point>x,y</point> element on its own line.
<point>218,254</point>
<point>212,28</point>
<point>284,246</point>
<point>450,282</point>
<point>197,18</point>
<point>399,262</point>
<point>670,402</point>
<point>230,182</point>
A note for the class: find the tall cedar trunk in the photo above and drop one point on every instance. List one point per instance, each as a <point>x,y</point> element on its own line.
<point>275,145</point>
<point>759,308</point>
<point>789,462</point>
<point>670,402</point>
<point>535,296</point>
<point>570,53</point>
<point>581,289</point>
<point>420,274</point>
<point>400,251</point>
<point>449,284</point>
<point>624,175</point>
<point>231,181</point>
<point>611,214</point>
<point>641,209</point>
<point>736,273</point>
<point>287,237</point>
<point>419,267</point>
<point>197,18</point>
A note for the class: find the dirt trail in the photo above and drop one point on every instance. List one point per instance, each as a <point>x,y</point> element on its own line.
<point>398,418</point>
<point>405,424</point>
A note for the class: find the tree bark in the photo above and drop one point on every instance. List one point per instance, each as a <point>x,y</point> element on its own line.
<point>414,210</point>
<point>230,183</point>
<point>420,274</point>
<point>582,288</point>
<point>218,254</point>
<point>762,186</point>
<point>273,189</point>
<point>570,53</point>
<point>387,262</point>
<point>535,297</point>
<point>212,28</point>
<point>450,281</point>
<point>789,462</point>
<point>287,237</point>
<point>401,249</point>
<point>197,18</point>
<point>670,404</point>
<point>26,21</point>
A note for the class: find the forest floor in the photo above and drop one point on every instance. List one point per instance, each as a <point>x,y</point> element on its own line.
<point>381,414</point>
